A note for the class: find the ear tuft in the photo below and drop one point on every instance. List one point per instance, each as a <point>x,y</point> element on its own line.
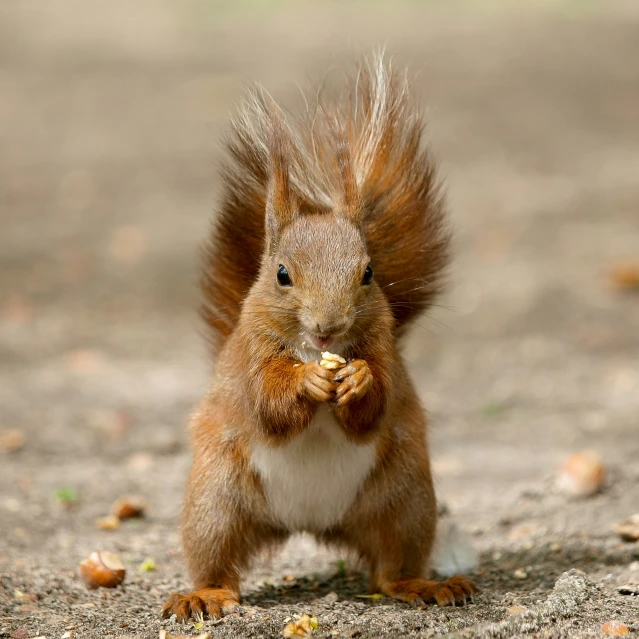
<point>281,206</point>
<point>348,197</point>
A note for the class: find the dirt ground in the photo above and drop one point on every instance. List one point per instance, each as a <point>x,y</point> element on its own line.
<point>110,119</point>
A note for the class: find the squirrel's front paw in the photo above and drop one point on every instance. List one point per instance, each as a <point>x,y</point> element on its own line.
<point>316,383</point>
<point>354,381</point>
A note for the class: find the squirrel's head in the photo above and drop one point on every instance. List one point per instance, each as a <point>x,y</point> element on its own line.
<point>316,275</point>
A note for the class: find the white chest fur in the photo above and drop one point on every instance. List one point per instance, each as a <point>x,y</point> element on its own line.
<point>311,481</point>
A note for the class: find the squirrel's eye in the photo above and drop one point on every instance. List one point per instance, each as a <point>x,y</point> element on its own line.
<point>368,275</point>
<point>283,278</point>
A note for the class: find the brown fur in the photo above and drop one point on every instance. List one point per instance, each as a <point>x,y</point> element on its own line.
<point>371,199</point>
<point>376,129</point>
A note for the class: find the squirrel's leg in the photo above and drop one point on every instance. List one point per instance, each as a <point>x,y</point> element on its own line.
<point>393,527</point>
<point>218,545</point>
<point>285,394</point>
<point>222,527</point>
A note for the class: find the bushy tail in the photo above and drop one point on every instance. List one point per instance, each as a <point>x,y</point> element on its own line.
<point>403,209</point>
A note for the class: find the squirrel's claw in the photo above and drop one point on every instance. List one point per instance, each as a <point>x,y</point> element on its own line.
<point>356,379</point>
<point>316,383</point>
<point>211,602</point>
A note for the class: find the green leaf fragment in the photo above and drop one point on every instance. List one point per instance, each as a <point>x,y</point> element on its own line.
<point>147,565</point>
<point>492,409</point>
<point>65,494</point>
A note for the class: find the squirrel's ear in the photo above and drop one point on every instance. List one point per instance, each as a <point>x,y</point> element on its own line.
<point>348,197</point>
<point>281,207</point>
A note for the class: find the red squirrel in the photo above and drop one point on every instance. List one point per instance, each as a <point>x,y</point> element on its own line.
<point>331,236</point>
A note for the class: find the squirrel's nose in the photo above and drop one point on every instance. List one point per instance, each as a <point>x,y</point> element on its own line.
<point>329,327</point>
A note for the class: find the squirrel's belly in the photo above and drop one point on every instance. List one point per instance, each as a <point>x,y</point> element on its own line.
<point>311,481</point>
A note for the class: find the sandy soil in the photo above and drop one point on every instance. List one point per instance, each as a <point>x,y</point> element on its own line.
<point>110,120</point>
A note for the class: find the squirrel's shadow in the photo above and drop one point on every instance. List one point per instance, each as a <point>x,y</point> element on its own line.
<point>492,575</point>
<point>351,586</point>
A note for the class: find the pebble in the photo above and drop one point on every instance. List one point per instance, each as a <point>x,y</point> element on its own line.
<point>110,522</point>
<point>11,440</point>
<point>581,475</point>
<point>629,530</point>
<point>520,573</point>
<point>631,588</point>
<point>331,598</point>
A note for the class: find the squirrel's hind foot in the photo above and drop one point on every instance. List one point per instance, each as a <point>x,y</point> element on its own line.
<point>457,590</point>
<point>211,602</point>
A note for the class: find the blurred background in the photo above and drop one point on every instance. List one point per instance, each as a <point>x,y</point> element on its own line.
<point>111,117</point>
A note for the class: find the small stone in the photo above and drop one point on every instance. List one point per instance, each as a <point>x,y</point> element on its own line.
<point>581,475</point>
<point>140,461</point>
<point>331,598</point>
<point>110,522</point>
<point>515,610</point>
<point>555,547</point>
<point>624,276</point>
<point>520,573</point>
<point>11,441</point>
<point>631,588</point>
<point>629,530</point>
<point>614,628</point>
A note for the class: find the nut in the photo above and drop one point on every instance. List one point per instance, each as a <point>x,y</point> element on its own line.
<point>332,357</point>
<point>331,361</point>
<point>102,569</point>
<point>128,507</point>
<point>581,475</point>
<point>330,366</point>
<point>615,628</point>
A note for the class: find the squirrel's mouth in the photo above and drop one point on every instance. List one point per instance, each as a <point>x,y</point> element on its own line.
<point>321,342</point>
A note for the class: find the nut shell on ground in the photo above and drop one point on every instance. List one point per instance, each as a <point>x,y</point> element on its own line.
<point>102,570</point>
<point>128,507</point>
